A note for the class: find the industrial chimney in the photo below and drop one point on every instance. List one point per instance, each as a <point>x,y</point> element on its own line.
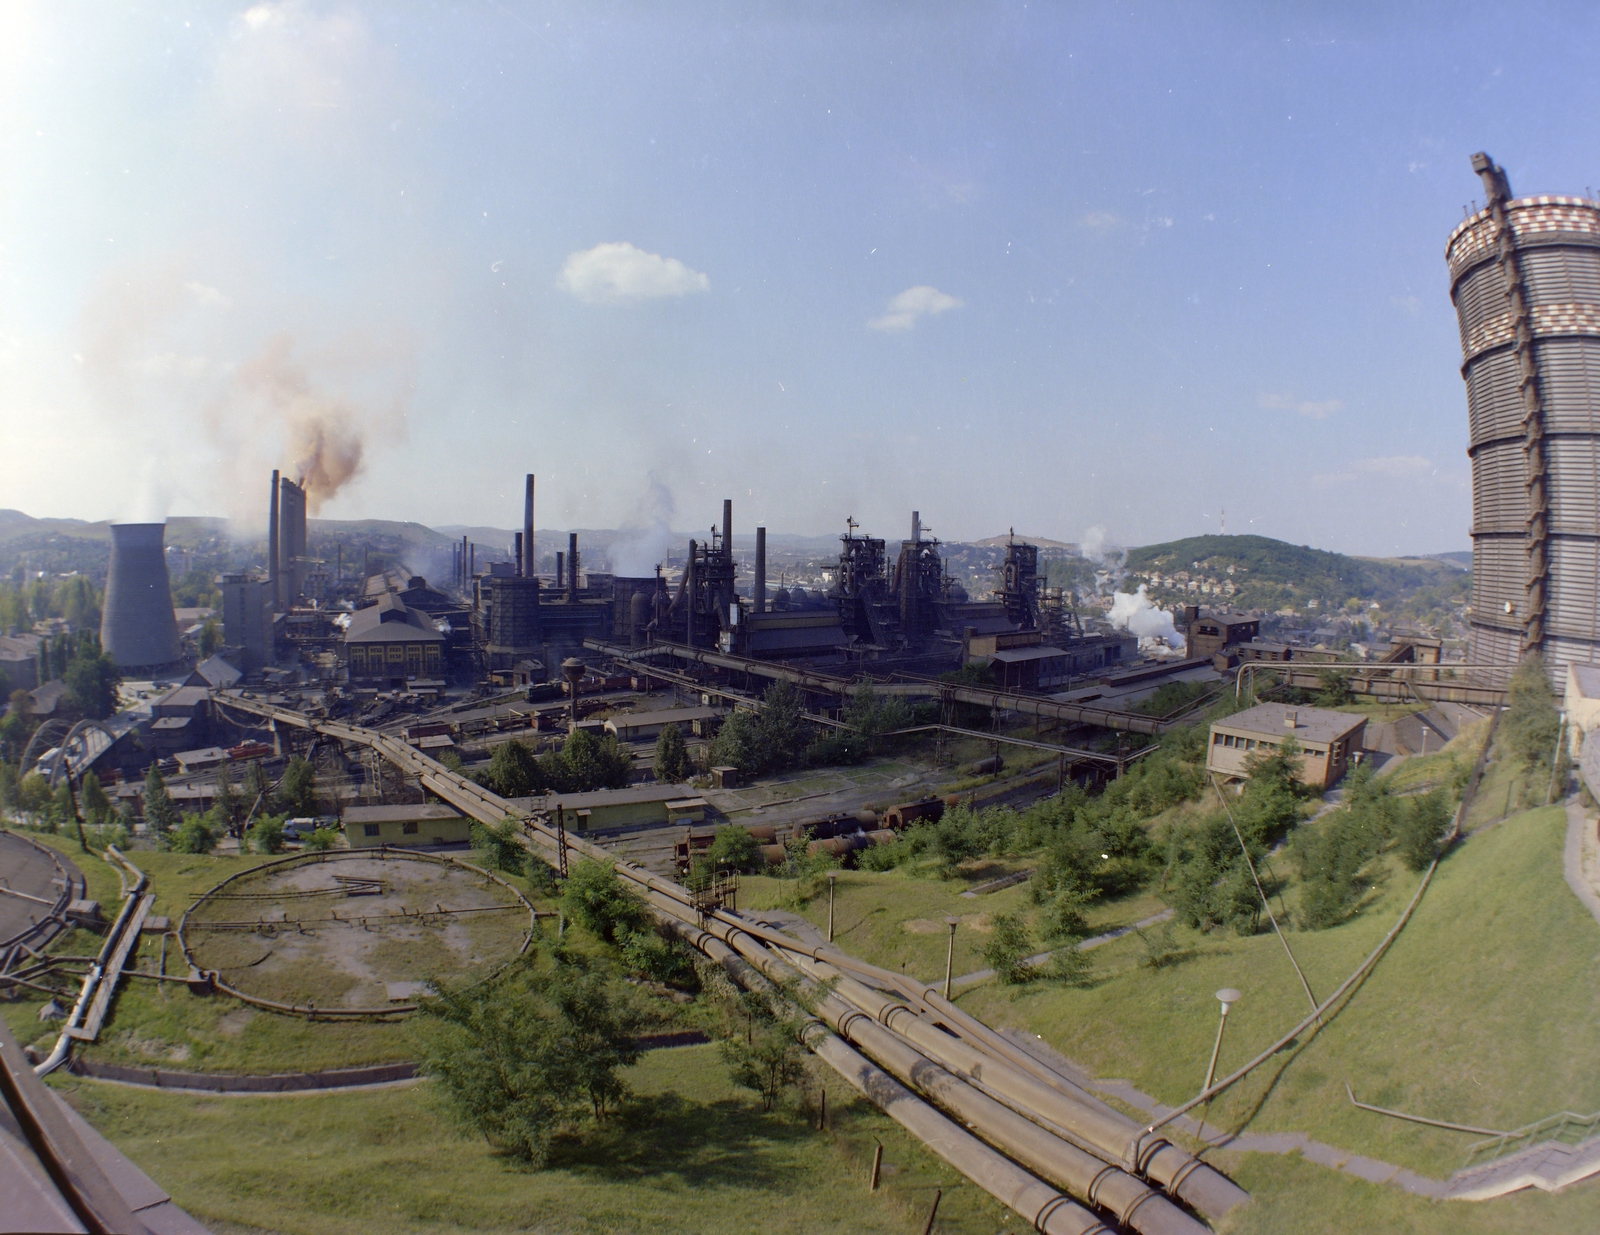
<point>139,629</point>
<point>759,595</point>
<point>526,566</point>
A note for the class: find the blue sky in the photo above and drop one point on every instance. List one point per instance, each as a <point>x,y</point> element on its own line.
<point>1053,267</point>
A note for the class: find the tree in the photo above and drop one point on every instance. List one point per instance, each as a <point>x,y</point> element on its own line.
<point>770,1057</point>
<point>61,811</point>
<point>672,762</point>
<point>159,812</point>
<point>594,763</point>
<point>513,772</point>
<point>523,1054</point>
<point>97,808</point>
<point>297,790</point>
<point>737,744</point>
<point>1421,826</point>
<point>92,679</point>
<point>33,795</point>
<point>501,845</point>
<point>257,793</point>
<point>1531,723</point>
<point>210,637</point>
<point>8,786</point>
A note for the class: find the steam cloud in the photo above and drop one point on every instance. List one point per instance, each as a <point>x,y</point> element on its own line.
<point>635,556</point>
<point>1135,613</point>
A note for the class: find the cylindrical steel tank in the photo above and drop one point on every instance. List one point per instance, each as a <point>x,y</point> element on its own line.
<point>138,628</point>
<point>1525,280</point>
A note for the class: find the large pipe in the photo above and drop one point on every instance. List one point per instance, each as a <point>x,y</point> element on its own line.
<point>572,566</point>
<point>1018,1130</point>
<point>272,541</point>
<point>760,595</point>
<point>525,563</point>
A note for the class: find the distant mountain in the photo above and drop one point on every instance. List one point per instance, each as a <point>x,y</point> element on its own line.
<point>1270,572</point>
<point>999,542</point>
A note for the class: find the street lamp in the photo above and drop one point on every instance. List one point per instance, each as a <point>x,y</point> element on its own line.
<point>1227,997</point>
<point>832,877</point>
<point>950,956</point>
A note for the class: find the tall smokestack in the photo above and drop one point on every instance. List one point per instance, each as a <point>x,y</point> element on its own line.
<point>525,566</point>
<point>761,569</point>
<point>472,561</point>
<point>518,551</point>
<point>272,541</point>
<point>572,566</point>
<point>916,527</point>
<point>466,576</point>
<point>688,597</point>
<point>727,528</point>
<point>561,570</point>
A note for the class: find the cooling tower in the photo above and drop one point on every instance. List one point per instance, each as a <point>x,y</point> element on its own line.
<point>1525,279</point>
<point>138,628</point>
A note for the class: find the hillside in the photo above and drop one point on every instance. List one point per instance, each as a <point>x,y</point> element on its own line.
<point>1267,573</point>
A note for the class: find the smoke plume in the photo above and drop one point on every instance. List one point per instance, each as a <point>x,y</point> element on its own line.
<point>323,433</point>
<point>1135,613</point>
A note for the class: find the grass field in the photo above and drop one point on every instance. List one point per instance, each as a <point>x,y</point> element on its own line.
<point>689,1154</point>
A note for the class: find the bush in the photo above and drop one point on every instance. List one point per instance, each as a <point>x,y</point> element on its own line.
<point>733,848</point>
<point>319,840</point>
<point>513,772</point>
<point>297,791</point>
<point>266,834</point>
<point>595,899</point>
<point>193,835</point>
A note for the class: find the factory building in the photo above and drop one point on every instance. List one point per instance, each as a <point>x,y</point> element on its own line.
<point>286,542</point>
<point>138,628</point>
<point>389,642</point>
<point>1525,281</point>
<point>247,621</point>
<point>19,660</point>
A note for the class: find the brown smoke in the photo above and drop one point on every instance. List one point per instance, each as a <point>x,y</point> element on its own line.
<point>325,445</point>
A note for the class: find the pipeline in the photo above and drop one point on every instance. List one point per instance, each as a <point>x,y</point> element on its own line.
<point>93,978</point>
<point>1032,1125</point>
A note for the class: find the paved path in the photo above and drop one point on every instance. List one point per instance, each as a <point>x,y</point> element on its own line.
<point>1578,830</point>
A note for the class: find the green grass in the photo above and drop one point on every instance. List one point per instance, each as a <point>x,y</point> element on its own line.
<point>689,1154</point>
<point>1291,1194</point>
<point>163,1025</point>
<point>1485,1011</point>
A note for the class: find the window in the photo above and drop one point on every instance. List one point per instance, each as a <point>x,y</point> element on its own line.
<point>409,829</point>
<point>1216,739</point>
<point>369,829</point>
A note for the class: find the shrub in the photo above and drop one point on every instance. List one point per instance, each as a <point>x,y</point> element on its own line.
<point>501,846</point>
<point>1007,948</point>
<point>513,772</point>
<point>266,834</point>
<point>733,848</point>
<point>595,899</point>
<point>318,840</point>
<point>193,835</point>
<point>297,791</point>
<point>1421,826</point>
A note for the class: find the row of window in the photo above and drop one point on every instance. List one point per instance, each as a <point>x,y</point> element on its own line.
<point>411,659</point>
<point>371,829</point>
<point>1244,743</point>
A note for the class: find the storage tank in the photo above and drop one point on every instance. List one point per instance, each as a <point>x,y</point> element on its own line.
<point>1525,280</point>
<point>138,628</point>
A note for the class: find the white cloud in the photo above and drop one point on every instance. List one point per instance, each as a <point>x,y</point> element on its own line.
<point>206,295</point>
<point>615,273</point>
<point>914,302</point>
<point>1400,467</point>
<point>1314,409</point>
<point>1099,220</point>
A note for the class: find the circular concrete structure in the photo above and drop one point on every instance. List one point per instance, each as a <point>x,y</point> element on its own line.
<point>138,628</point>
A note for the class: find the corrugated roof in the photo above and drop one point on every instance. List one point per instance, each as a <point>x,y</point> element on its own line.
<point>1311,724</point>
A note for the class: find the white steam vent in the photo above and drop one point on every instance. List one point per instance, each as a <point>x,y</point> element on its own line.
<point>1135,613</point>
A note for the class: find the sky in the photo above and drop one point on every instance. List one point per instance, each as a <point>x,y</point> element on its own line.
<point>1110,271</point>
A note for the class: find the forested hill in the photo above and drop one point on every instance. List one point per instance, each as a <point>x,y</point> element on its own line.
<point>1268,573</point>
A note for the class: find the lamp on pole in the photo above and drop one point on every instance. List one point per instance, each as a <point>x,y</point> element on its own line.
<point>832,878</point>
<point>1227,997</point>
<point>950,954</point>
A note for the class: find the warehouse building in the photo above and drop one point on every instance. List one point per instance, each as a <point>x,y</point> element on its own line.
<point>431,823</point>
<point>390,642</point>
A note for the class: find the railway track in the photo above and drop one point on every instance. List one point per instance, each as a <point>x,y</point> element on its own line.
<point>1053,1153</point>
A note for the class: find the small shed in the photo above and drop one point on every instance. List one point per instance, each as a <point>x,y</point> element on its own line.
<point>431,823</point>
<point>1327,739</point>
